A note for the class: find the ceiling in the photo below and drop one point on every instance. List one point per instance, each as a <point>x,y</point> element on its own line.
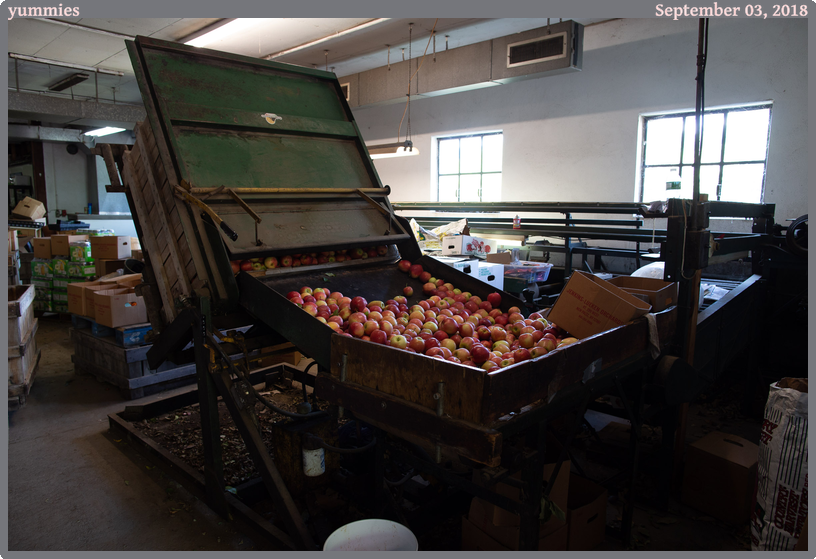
<point>353,44</point>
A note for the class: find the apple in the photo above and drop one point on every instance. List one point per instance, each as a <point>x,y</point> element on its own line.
<point>497,333</point>
<point>408,290</point>
<point>489,366</point>
<point>371,253</point>
<point>526,340</point>
<point>358,304</point>
<point>479,354</point>
<point>521,354</point>
<point>417,344</point>
<point>506,362</point>
<point>404,265</point>
<point>415,270</point>
<point>462,354</point>
<point>246,265</point>
<point>370,326</point>
<point>538,351</point>
<point>398,341</point>
<point>494,299</point>
<point>253,260</point>
<point>236,266</point>
<point>567,341</point>
<point>382,250</point>
<point>258,266</point>
<point>379,337</point>
<point>310,308</point>
<point>270,262</point>
<point>357,329</point>
<point>430,341</point>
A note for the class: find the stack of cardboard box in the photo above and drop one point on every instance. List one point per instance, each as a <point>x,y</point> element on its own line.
<point>583,502</point>
<point>468,254</point>
<point>112,303</point>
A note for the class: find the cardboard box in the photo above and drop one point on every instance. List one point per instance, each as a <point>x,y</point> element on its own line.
<point>105,267</point>
<point>589,305</point>
<point>137,254</point>
<point>505,257</point>
<point>586,514</point>
<point>80,296</point>
<point>474,539</point>
<point>498,516</point>
<point>60,243</point>
<point>110,248</point>
<point>12,241</point>
<point>29,208</point>
<point>42,268</point>
<point>491,274</point>
<point>60,266</point>
<point>118,307</point>
<point>660,294</point>
<point>719,476</point>
<point>42,247</point>
<point>531,272</point>
<point>81,269</point>
<point>467,245</point>
<point>466,265</point>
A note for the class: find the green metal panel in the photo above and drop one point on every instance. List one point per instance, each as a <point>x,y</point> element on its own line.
<point>212,106</point>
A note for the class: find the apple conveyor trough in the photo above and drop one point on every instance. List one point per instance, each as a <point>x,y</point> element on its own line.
<point>242,158</point>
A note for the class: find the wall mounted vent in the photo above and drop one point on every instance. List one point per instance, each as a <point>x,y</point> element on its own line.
<point>540,49</point>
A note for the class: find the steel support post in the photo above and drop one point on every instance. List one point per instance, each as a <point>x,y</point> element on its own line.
<point>210,421</point>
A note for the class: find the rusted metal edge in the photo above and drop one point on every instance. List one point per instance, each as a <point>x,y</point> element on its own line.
<point>193,481</point>
<point>397,416</point>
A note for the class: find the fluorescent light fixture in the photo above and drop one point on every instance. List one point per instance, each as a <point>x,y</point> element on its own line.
<point>397,149</point>
<point>70,81</point>
<point>221,32</point>
<point>104,131</point>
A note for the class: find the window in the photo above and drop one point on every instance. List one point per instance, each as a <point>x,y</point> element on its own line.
<point>733,158</point>
<point>469,168</point>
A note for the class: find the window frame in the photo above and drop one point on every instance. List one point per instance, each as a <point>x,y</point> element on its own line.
<point>720,163</point>
<point>481,173</point>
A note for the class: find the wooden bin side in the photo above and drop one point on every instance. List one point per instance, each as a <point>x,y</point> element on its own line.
<point>165,226</point>
<point>20,313</point>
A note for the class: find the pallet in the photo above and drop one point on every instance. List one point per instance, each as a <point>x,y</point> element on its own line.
<point>18,393</point>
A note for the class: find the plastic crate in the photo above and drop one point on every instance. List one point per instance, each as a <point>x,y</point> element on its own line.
<point>529,271</point>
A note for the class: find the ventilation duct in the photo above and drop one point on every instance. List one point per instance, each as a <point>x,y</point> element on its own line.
<point>554,49</point>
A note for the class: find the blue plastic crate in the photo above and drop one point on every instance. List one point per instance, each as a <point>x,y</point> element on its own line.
<point>128,336</point>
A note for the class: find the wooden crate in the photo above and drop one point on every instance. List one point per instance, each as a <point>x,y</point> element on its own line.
<point>20,313</point>
<point>22,361</point>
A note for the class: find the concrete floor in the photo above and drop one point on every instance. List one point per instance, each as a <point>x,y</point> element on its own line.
<point>72,486</point>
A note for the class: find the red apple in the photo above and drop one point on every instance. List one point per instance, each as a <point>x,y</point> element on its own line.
<point>538,351</point>
<point>497,333</point>
<point>236,266</point>
<point>404,265</point>
<point>462,354</point>
<point>408,290</point>
<point>415,270</point>
<point>357,329</point>
<point>479,354</point>
<point>378,337</point>
<point>425,277</point>
<point>270,262</point>
<point>382,250</point>
<point>521,354</point>
<point>246,265</point>
<point>489,366</point>
<point>526,340</point>
<point>567,341</point>
<point>494,299</point>
<point>506,362</point>
<point>417,344</point>
<point>358,304</point>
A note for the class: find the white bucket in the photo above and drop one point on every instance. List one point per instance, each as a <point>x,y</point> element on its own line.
<point>372,534</point>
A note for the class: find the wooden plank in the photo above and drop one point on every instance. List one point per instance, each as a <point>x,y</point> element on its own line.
<point>20,369</point>
<point>22,390</point>
<point>221,290</point>
<point>411,377</point>
<point>150,240</point>
<point>19,350</point>
<point>409,420</point>
<point>21,313</point>
<point>110,165</point>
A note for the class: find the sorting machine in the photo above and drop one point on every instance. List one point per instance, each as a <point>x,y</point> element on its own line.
<point>243,158</point>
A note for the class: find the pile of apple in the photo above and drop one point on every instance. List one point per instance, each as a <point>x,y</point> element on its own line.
<point>307,259</point>
<point>448,325</point>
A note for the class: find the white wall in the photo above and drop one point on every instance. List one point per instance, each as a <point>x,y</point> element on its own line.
<point>573,137</point>
<point>67,184</point>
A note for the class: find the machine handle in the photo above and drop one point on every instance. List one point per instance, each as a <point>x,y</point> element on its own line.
<point>228,230</point>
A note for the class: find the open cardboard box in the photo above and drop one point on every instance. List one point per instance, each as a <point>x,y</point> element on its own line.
<point>29,208</point>
<point>586,514</point>
<point>119,307</point>
<point>589,305</point>
<point>660,294</point>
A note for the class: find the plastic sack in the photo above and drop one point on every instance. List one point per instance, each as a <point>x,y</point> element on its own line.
<point>781,503</point>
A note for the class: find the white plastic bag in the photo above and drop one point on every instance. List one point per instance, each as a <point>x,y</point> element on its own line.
<point>780,510</point>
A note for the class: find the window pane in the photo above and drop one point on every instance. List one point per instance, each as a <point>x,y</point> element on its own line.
<point>663,141</point>
<point>448,156</point>
<point>492,154</point>
<point>712,139</point>
<point>491,187</point>
<point>654,184</point>
<point>743,183</point>
<point>746,135</point>
<point>469,190</point>
<point>447,188</point>
<point>471,154</point>
<point>709,177</point>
